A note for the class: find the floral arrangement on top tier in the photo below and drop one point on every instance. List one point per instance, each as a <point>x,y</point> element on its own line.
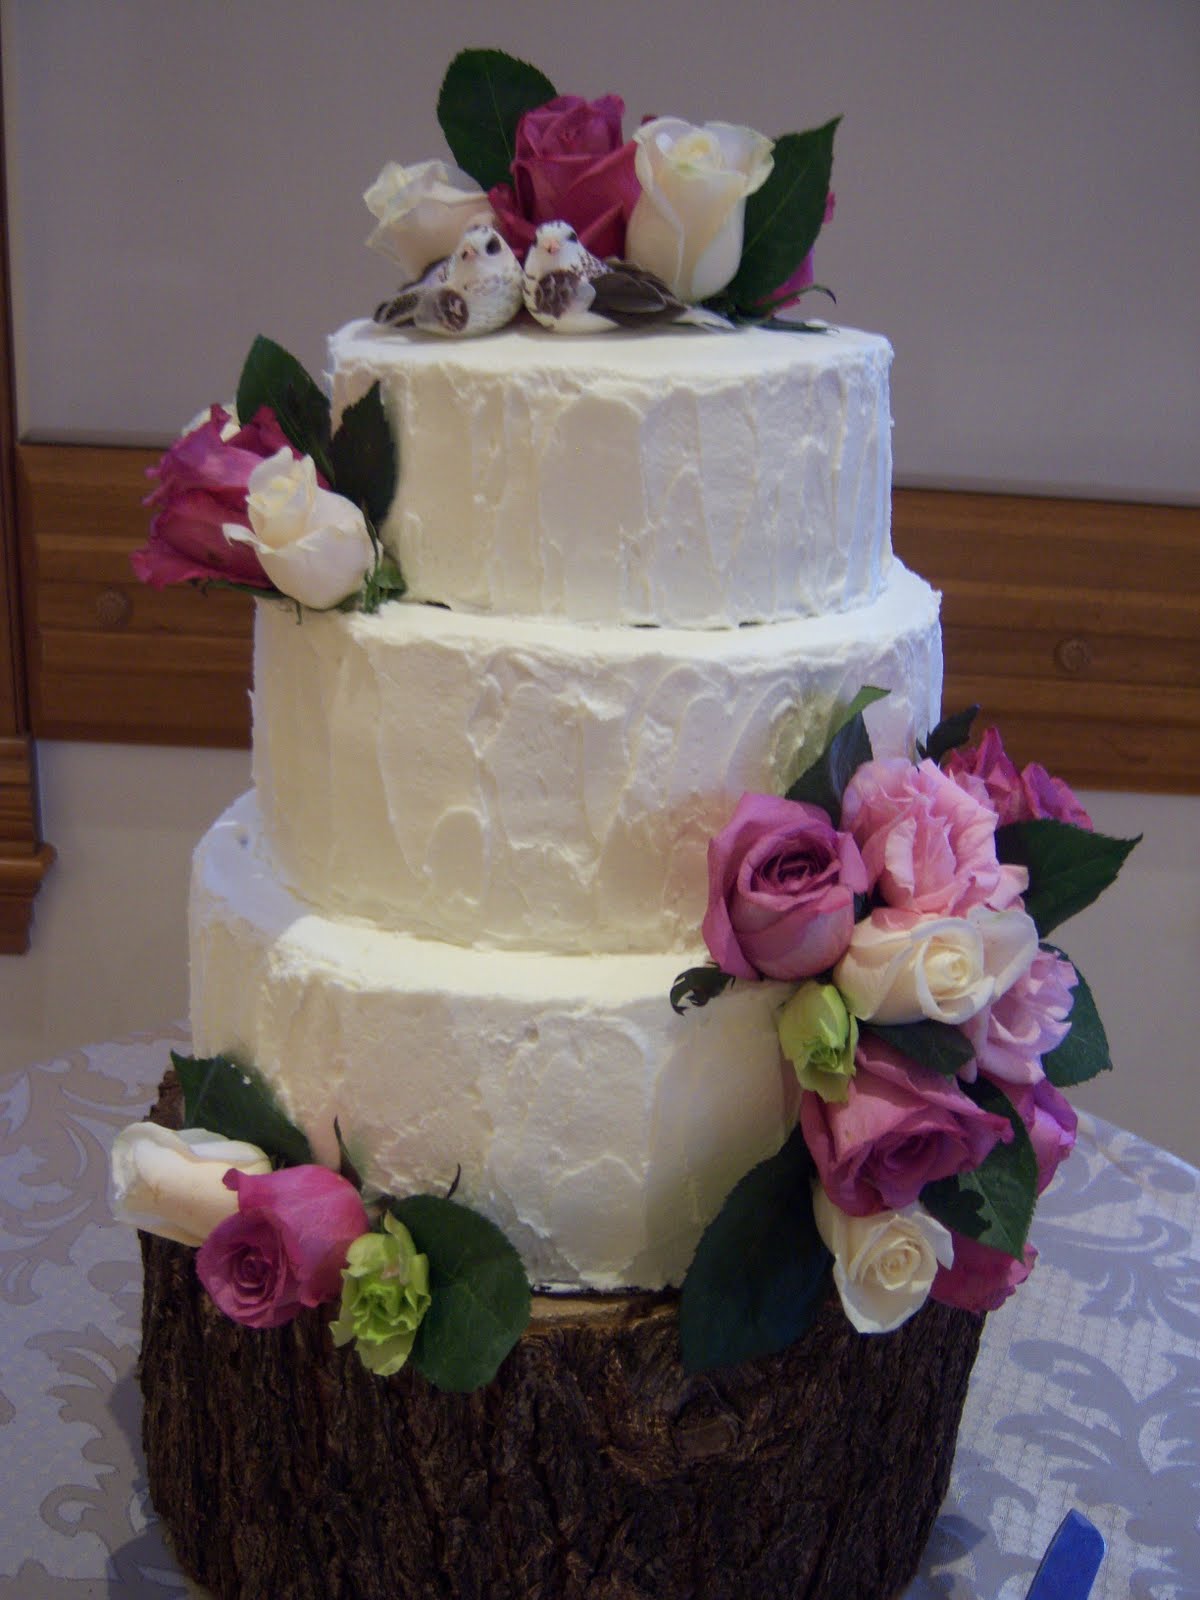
<point>422,1278</point>
<point>550,208</point>
<point>932,1029</point>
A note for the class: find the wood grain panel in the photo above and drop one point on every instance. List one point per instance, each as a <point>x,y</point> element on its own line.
<point>1075,623</point>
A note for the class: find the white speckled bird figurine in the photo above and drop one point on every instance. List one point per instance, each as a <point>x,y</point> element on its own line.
<point>476,290</point>
<point>569,290</point>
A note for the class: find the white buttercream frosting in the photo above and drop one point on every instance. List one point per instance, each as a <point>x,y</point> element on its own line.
<point>540,786</point>
<point>679,478</point>
<point>599,1129</point>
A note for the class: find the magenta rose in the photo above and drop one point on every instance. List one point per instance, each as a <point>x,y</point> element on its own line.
<point>1031,1018</point>
<point>1050,1122</point>
<point>284,1247</point>
<point>781,887</point>
<point>901,1126</point>
<point>202,483</point>
<point>1014,796</point>
<point>929,845</point>
<point>982,1278</point>
<point>570,166</point>
<point>793,288</point>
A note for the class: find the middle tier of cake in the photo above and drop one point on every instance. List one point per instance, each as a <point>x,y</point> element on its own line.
<point>530,785</point>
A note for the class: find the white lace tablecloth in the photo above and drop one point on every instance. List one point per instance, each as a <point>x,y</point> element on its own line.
<point>1086,1393</point>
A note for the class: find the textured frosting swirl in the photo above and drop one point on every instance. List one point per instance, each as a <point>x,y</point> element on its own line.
<point>679,479</point>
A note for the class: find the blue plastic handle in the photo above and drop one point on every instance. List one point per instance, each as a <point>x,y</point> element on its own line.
<point>1071,1562</point>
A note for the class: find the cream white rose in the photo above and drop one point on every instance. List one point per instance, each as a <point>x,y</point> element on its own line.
<point>687,223</point>
<point>170,1183</point>
<point>313,544</point>
<point>423,212</point>
<point>884,1265</point>
<point>902,966</point>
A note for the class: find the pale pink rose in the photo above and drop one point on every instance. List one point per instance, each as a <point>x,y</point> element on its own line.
<point>901,1126</point>
<point>285,1247</point>
<point>781,887</point>
<point>1050,1122</point>
<point>1013,1034</point>
<point>571,165</point>
<point>1014,796</point>
<point>203,480</point>
<point>928,844</point>
<point>981,1278</point>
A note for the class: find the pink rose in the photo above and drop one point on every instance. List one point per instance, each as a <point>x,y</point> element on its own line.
<point>202,484</point>
<point>1014,796</point>
<point>570,166</point>
<point>901,1126</point>
<point>284,1247</point>
<point>1050,1122</point>
<point>928,844</point>
<point>982,1278</point>
<point>1013,1034</point>
<point>781,887</point>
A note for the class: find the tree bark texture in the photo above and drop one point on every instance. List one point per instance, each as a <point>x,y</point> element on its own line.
<point>591,1466</point>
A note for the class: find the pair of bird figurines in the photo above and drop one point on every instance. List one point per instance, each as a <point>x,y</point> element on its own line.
<point>483,286</point>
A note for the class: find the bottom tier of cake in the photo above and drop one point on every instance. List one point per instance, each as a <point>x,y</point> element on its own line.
<point>592,1466</point>
<point>597,1128</point>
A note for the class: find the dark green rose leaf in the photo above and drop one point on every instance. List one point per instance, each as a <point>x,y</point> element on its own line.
<point>1084,1052</point>
<point>484,95</point>
<point>272,377</point>
<point>480,1297</point>
<point>950,734</point>
<point>994,1204</point>
<point>931,1044</point>
<point>1068,866</point>
<point>697,986</point>
<point>848,745</point>
<point>386,582</point>
<point>363,456</point>
<point>784,217</point>
<point>760,1272</point>
<point>226,1098</point>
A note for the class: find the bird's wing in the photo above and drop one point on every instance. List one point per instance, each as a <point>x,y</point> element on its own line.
<point>402,308</point>
<point>557,292</point>
<point>632,297</point>
<point>453,312</point>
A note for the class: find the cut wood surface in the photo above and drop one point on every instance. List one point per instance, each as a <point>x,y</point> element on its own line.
<point>592,1466</point>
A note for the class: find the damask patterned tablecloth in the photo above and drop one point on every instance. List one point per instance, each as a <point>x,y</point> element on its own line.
<point>1086,1393</point>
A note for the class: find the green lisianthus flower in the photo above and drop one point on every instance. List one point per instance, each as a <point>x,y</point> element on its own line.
<point>819,1037</point>
<point>385,1293</point>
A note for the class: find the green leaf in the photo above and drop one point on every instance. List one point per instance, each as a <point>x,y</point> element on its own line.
<point>784,217</point>
<point>1068,866</point>
<point>760,1271</point>
<point>846,748</point>
<point>386,582</point>
<point>698,985</point>
<point>1084,1052</point>
<point>483,96</point>
<point>950,734</point>
<point>931,1044</point>
<point>274,378</point>
<point>226,1098</point>
<point>480,1296</point>
<point>994,1204</point>
<point>363,456</point>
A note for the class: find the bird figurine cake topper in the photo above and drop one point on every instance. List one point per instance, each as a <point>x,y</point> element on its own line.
<point>569,290</point>
<point>475,290</point>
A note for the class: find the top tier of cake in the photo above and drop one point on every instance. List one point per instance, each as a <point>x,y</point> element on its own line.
<point>673,479</point>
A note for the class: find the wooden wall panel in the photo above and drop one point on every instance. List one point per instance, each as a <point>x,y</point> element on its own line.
<point>1075,623</point>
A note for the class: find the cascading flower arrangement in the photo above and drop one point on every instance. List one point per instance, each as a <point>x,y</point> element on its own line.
<point>421,1277</point>
<point>719,214</point>
<point>280,503</point>
<point>930,1024</point>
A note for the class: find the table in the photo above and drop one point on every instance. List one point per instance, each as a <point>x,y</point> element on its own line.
<point>1086,1392</point>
